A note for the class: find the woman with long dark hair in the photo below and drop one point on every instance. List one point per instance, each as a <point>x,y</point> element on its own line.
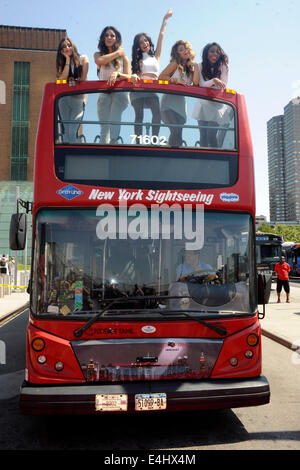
<point>112,64</point>
<point>213,72</point>
<point>145,65</point>
<point>214,67</point>
<point>182,70</point>
<point>70,65</point>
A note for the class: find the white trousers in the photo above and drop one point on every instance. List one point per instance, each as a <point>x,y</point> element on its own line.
<point>71,108</point>
<point>110,107</point>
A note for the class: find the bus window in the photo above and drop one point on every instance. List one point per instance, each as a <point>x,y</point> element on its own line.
<point>88,129</point>
<point>78,269</point>
<point>139,168</point>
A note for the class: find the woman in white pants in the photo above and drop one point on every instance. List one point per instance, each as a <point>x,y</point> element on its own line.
<point>70,65</point>
<point>112,65</point>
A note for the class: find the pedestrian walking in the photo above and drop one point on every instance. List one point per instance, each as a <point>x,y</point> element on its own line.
<point>12,266</point>
<point>282,269</point>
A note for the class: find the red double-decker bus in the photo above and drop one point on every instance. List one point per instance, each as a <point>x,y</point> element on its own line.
<point>143,284</point>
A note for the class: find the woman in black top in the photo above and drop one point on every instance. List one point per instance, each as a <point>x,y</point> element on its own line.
<point>70,65</point>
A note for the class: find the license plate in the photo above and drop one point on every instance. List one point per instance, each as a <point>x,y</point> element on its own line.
<point>111,402</point>
<point>150,401</point>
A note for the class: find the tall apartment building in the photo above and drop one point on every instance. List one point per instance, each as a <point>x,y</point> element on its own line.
<point>283,133</point>
<point>276,168</point>
<point>27,62</point>
<point>292,158</point>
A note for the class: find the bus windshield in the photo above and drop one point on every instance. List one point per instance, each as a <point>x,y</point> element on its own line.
<point>114,117</point>
<point>80,264</point>
<point>269,252</point>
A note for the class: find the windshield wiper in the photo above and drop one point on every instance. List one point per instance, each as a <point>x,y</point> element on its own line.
<point>77,333</point>
<point>218,329</point>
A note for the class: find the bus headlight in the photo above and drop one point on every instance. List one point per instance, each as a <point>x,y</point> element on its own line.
<point>252,340</point>
<point>233,361</point>
<point>249,354</point>
<point>38,344</point>
<point>41,359</point>
<point>59,366</point>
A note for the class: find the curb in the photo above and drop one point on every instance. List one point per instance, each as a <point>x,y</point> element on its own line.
<point>13,314</point>
<point>278,339</point>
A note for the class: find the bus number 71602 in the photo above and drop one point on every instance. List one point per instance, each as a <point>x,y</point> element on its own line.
<point>148,140</point>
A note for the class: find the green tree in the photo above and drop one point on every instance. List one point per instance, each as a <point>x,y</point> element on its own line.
<point>291,233</point>
<point>264,227</point>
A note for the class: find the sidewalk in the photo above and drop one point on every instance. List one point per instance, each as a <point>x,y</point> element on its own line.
<point>12,300</point>
<point>12,303</point>
<point>281,322</point>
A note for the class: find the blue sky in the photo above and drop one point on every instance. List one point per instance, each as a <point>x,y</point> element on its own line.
<point>260,37</point>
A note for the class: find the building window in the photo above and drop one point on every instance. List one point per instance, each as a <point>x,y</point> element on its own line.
<point>2,92</point>
<point>20,121</point>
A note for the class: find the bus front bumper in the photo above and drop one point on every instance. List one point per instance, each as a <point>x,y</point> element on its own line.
<point>181,395</point>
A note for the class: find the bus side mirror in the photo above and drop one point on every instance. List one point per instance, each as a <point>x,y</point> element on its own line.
<point>264,283</point>
<point>17,232</point>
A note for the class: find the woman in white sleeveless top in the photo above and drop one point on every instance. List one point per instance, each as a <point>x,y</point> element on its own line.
<point>145,65</point>
<point>112,65</point>
<point>182,70</point>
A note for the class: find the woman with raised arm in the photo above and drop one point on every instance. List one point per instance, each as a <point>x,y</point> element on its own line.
<point>182,70</point>
<point>213,73</point>
<point>112,64</point>
<point>70,65</point>
<point>145,65</point>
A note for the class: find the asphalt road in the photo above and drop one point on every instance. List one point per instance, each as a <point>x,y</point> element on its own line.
<point>274,426</point>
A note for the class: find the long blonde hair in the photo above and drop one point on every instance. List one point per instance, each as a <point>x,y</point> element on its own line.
<point>188,69</point>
